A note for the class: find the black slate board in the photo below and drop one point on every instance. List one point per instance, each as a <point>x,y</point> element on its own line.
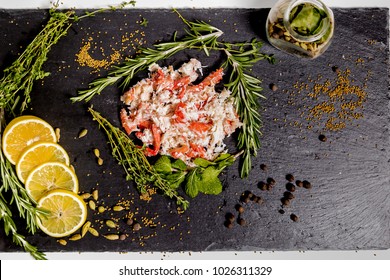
<point>348,205</point>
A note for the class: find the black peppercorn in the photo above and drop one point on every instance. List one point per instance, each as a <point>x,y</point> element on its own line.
<point>262,186</point>
<point>281,211</point>
<point>285,201</point>
<point>290,177</point>
<point>241,221</point>
<point>246,196</point>
<point>271,181</point>
<point>306,184</point>
<point>322,138</point>
<point>228,224</point>
<point>263,167</point>
<point>273,87</point>
<point>288,195</point>
<point>240,209</point>
<point>290,187</point>
<point>258,200</point>
<point>229,217</point>
<point>299,183</point>
<point>294,217</point>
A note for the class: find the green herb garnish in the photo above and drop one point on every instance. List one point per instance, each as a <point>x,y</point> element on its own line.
<point>134,161</point>
<point>246,90</point>
<point>201,178</point>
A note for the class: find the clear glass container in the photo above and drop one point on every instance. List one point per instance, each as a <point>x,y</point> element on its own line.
<point>300,27</point>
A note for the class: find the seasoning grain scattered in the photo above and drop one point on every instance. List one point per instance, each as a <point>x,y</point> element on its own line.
<point>75,237</point>
<point>83,133</point>
<point>333,103</point>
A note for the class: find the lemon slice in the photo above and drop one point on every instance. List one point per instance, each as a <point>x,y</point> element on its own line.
<point>39,153</point>
<point>67,212</point>
<point>23,131</point>
<point>49,176</point>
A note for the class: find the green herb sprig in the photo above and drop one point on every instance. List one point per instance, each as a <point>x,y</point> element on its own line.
<point>10,228</point>
<point>134,161</point>
<point>203,177</point>
<point>246,91</point>
<point>17,82</point>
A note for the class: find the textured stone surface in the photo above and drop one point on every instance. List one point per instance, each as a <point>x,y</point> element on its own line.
<point>347,207</point>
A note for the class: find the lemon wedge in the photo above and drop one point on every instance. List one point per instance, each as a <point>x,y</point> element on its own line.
<point>67,212</point>
<point>38,153</point>
<point>49,176</point>
<point>23,131</point>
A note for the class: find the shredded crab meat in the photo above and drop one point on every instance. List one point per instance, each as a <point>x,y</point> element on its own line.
<point>172,116</point>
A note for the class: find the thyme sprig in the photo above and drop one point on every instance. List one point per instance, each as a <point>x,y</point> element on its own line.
<point>17,82</point>
<point>134,161</point>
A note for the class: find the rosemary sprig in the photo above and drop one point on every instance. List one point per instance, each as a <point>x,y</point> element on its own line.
<point>10,228</point>
<point>246,91</point>
<point>200,35</point>
<point>134,161</point>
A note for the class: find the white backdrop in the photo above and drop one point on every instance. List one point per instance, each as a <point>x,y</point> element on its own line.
<point>299,255</point>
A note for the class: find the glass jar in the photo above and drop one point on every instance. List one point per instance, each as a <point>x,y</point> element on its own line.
<point>300,27</point>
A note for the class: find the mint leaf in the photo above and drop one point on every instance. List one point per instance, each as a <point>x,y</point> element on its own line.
<point>163,165</point>
<point>192,183</point>
<point>179,164</point>
<point>222,157</point>
<point>203,162</point>
<point>209,182</point>
<point>175,179</point>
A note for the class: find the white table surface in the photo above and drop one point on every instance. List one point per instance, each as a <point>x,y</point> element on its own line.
<point>261,255</point>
